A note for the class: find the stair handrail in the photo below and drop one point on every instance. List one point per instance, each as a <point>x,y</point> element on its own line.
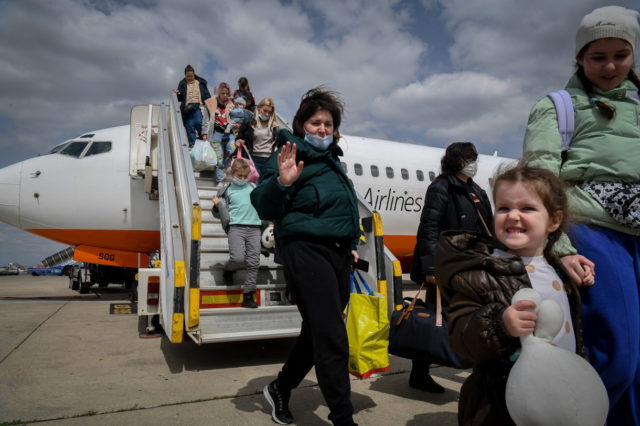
<point>173,276</point>
<point>189,208</point>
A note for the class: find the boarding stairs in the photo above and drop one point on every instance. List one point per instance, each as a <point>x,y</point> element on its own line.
<point>193,298</point>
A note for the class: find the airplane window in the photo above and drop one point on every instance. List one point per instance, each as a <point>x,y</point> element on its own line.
<point>374,171</point>
<point>389,172</point>
<point>98,148</point>
<point>344,166</point>
<point>74,149</point>
<point>57,148</point>
<point>87,135</point>
<point>404,173</point>
<point>358,169</point>
<point>420,175</point>
<point>432,176</point>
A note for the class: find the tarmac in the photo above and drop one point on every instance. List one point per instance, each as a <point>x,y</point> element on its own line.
<point>65,360</point>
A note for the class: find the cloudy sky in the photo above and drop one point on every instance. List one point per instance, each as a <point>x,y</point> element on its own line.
<point>423,71</point>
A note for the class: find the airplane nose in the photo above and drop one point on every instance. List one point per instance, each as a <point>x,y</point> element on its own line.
<point>10,194</point>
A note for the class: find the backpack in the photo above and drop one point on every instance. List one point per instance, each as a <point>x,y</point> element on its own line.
<point>566,116</point>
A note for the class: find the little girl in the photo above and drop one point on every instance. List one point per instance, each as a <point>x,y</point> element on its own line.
<point>479,275</point>
<point>233,202</point>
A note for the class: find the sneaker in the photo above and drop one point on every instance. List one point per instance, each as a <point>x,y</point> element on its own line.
<point>279,402</point>
<point>425,383</point>
<point>227,277</point>
<point>247,300</point>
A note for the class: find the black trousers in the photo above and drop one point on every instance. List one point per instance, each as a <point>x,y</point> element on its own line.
<point>317,274</point>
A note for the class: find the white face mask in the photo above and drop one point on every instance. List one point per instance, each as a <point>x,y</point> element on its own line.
<point>318,142</point>
<point>238,181</point>
<point>470,169</point>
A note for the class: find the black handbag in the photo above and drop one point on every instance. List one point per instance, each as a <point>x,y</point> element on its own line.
<point>419,331</point>
<point>188,109</point>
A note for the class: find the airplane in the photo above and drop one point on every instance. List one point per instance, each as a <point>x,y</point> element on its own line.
<point>81,193</point>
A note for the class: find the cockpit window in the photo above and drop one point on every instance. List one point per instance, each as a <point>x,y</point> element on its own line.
<point>74,149</point>
<point>57,148</point>
<point>98,148</point>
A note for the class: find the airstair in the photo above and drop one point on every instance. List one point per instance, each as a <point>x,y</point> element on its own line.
<point>62,256</point>
<point>186,290</point>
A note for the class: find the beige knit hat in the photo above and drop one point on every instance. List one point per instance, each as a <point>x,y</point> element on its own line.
<point>609,22</point>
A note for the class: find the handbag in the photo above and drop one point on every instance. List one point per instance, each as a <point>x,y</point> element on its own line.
<point>253,173</point>
<point>419,331</point>
<point>367,328</point>
<point>188,109</point>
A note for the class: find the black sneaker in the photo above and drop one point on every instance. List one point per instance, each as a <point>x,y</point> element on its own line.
<point>425,383</point>
<point>227,277</point>
<point>247,300</point>
<point>279,403</point>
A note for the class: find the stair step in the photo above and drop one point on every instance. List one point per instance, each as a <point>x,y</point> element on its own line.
<point>213,230</point>
<point>228,324</point>
<point>217,260</point>
<point>218,243</point>
<point>206,195</point>
<point>212,278</point>
<point>207,215</point>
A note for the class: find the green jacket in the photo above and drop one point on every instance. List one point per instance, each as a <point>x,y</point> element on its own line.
<point>601,150</point>
<point>321,203</point>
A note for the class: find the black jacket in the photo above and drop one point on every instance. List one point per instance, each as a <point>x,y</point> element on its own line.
<point>245,132</point>
<point>182,90</point>
<point>448,205</point>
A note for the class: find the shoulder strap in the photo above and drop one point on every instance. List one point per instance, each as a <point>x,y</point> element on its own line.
<point>566,116</point>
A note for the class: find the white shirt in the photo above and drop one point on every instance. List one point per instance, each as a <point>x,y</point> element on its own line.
<point>548,284</point>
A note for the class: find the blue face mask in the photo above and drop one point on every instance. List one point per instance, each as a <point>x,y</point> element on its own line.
<point>263,118</point>
<point>317,142</point>
<point>238,181</point>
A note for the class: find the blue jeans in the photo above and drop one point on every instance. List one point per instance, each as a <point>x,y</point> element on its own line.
<point>611,316</point>
<point>259,162</point>
<point>193,124</point>
<point>223,145</point>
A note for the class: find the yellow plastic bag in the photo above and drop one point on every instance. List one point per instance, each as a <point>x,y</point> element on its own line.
<point>368,330</point>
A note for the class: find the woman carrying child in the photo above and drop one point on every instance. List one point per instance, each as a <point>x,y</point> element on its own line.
<point>602,172</point>
<point>479,275</point>
<point>304,189</point>
<point>243,229</point>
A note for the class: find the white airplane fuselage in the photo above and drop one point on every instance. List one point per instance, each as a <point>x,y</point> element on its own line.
<point>91,200</point>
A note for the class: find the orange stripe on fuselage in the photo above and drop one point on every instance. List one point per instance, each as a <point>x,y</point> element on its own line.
<point>117,239</point>
<point>402,247</point>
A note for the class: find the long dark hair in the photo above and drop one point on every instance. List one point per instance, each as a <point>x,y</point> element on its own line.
<point>456,157</point>
<point>313,101</point>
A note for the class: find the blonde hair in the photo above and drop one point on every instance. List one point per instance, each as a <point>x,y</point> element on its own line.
<point>221,86</point>
<point>238,165</point>
<point>272,119</point>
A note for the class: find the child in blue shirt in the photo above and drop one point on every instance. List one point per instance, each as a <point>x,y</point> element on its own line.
<point>242,223</point>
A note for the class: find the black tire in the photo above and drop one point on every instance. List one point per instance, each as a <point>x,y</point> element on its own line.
<point>83,287</point>
<point>34,274</point>
<point>67,270</point>
<point>74,283</point>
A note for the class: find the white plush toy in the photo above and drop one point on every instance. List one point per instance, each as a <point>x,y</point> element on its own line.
<point>550,386</point>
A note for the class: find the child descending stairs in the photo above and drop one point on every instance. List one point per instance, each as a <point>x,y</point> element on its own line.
<point>221,316</point>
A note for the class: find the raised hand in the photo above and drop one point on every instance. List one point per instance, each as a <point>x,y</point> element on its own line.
<point>289,170</point>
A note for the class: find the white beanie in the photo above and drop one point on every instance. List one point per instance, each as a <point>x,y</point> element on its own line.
<point>609,22</point>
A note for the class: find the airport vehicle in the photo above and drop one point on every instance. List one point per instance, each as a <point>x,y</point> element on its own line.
<point>10,269</point>
<point>118,194</point>
<point>45,270</point>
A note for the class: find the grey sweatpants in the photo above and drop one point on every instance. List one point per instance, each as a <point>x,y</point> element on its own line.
<point>244,251</point>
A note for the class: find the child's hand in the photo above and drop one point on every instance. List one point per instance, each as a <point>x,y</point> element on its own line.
<point>215,200</point>
<point>518,319</point>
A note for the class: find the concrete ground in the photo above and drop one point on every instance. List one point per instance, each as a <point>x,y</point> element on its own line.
<point>65,360</point>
